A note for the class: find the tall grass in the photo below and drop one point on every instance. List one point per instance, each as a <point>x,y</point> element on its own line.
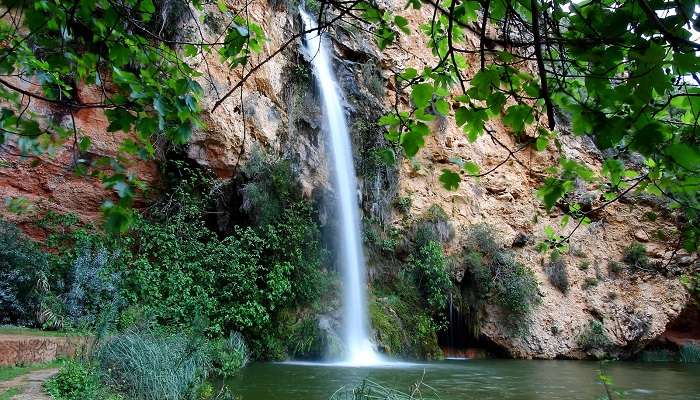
<point>690,353</point>
<point>370,390</point>
<point>148,367</point>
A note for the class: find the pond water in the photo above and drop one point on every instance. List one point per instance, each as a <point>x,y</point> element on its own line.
<point>474,379</point>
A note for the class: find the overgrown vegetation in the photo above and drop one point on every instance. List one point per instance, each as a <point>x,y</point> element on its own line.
<point>495,276</point>
<point>78,381</point>
<point>145,366</point>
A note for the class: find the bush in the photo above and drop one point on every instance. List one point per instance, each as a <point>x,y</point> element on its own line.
<point>23,276</point>
<point>403,204</point>
<point>271,186</point>
<point>77,381</point>
<point>92,286</point>
<point>429,268</point>
<point>494,272</point>
<point>556,272</point>
<point>594,339</point>
<point>230,355</point>
<point>434,226</point>
<point>635,256</point>
<point>690,353</point>
<point>308,340</point>
<point>178,269</point>
<point>145,366</point>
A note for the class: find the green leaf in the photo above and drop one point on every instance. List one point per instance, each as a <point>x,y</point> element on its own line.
<point>442,106</point>
<point>517,116</point>
<point>471,167</point>
<point>413,140</point>
<point>684,155</point>
<point>541,143</point>
<point>84,144</point>
<point>422,94</point>
<point>450,180</point>
<point>387,156</point>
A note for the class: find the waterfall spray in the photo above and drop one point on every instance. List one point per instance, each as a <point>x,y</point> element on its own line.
<point>359,349</point>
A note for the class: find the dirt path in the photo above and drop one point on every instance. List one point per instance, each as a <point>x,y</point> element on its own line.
<point>29,385</point>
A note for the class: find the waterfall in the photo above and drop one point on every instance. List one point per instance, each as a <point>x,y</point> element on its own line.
<point>359,349</point>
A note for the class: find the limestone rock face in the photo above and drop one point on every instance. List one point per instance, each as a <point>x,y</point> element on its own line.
<point>277,108</point>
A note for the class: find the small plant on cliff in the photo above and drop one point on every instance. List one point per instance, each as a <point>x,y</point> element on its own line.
<point>429,267</point>
<point>495,273</point>
<point>635,256</point>
<point>556,272</point>
<point>593,339</point>
<point>434,225</point>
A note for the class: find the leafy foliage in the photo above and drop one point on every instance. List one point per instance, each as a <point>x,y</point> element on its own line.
<point>429,267</point>
<point>230,355</point>
<point>78,381</point>
<point>92,286</point>
<point>23,271</point>
<point>148,88</point>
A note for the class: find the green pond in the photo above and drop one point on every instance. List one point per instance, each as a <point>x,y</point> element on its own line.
<point>474,379</point>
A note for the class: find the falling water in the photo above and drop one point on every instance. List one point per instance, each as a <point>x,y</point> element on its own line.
<point>360,350</point>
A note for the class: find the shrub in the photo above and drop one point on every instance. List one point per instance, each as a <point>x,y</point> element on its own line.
<point>429,267</point>
<point>494,273</point>
<point>635,256</point>
<point>23,273</point>
<point>614,267</point>
<point>77,381</point>
<point>145,366</point>
<point>403,204</point>
<point>271,186</point>
<point>179,269</point>
<point>308,340</point>
<point>589,282</point>
<point>556,272</point>
<point>594,338</point>
<point>230,355</point>
<point>91,286</point>
<point>690,353</point>
<point>434,226</point>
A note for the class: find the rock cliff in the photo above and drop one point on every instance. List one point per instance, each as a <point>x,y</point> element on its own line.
<point>277,108</point>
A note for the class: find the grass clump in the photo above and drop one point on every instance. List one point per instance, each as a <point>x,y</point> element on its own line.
<point>635,256</point>
<point>589,282</point>
<point>145,366</point>
<point>690,353</point>
<point>556,272</point>
<point>370,390</point>
<point>9,393</point>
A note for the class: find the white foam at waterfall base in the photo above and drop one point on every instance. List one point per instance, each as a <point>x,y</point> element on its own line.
<point>359,349</point>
